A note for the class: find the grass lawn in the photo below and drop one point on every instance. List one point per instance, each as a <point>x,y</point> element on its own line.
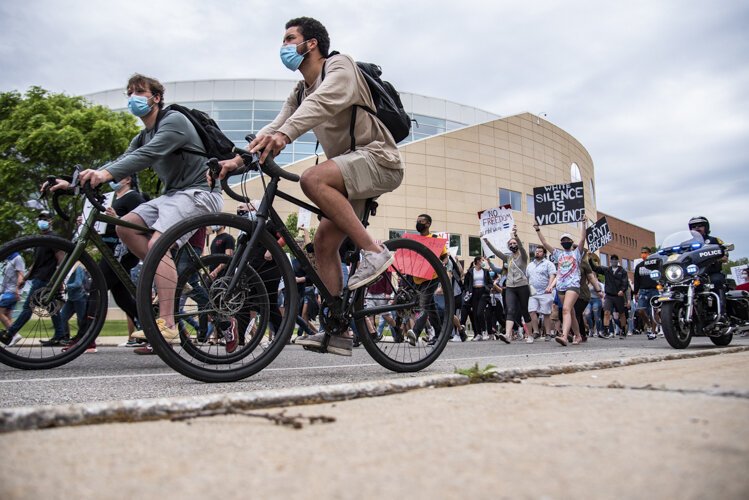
<point>111,328</point>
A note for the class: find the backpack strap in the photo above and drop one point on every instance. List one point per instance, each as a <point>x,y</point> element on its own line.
<point>300,95</point>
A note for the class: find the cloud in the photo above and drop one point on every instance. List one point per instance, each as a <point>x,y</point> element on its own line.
<point>658,92</point>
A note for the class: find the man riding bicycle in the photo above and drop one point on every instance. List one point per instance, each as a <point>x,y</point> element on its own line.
<point>171,146</point>
<point>340,185</point>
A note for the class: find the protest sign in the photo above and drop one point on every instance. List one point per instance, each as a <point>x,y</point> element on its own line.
<point>737,274</point>
<point>496,226</point>
<point>559,203</point>
<point>100,227</point>
<point>304,219</point>
<point>598,235</point>
<point>413,264</point>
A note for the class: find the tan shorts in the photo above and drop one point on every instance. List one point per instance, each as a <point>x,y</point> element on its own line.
<point>364,178</point>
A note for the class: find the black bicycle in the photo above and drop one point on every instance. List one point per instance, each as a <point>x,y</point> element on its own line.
<point>60,257</point>
<point>245,303</point>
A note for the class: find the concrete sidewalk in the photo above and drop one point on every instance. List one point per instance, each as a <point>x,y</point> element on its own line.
<point>672,429</point>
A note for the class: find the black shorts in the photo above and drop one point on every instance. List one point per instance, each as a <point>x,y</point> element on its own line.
<point>613,302</point>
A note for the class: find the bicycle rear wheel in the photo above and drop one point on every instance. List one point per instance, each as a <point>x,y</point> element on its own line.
<point>204,314</point>
<point>38,319</point>
<point>411,306</point>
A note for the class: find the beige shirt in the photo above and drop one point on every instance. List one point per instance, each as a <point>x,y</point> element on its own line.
<point>326,109</point>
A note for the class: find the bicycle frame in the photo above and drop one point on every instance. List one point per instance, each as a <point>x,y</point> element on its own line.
<point>266,212</point>
<point>86,236</point>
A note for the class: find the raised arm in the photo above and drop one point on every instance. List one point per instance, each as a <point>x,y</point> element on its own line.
<point>541,238</point>
<point>496,252</point>
<point>583,234</point>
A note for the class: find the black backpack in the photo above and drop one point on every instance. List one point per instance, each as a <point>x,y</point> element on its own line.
<point>388,106</point>
<point>216,144</point>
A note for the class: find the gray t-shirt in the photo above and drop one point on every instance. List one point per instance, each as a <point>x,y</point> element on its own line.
<point>173,153</point>
<point>10,269</point>
<point>540,273</point>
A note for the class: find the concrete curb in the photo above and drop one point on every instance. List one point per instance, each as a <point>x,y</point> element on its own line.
<point>139,410</point>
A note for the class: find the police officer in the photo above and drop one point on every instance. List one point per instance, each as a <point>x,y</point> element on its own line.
<point>701,225</point>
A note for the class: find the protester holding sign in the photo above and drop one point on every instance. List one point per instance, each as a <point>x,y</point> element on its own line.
<point>429,286</point>
<point>568,279</point>
<point>517,291</point>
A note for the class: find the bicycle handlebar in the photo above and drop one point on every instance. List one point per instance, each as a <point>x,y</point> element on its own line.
<point>251,162</point>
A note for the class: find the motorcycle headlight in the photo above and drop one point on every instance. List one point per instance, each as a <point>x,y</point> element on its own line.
<point>674,272</point>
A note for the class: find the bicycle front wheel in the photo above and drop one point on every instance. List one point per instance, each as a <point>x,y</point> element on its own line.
<point>219,335</point>
<point>404,319</point>
<point>50,327</point>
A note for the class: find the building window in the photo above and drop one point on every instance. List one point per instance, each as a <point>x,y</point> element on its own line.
<point>529,205</point>
<point>575,173</point>
<point>474,246</point>
<point>604,259</point>
<point>455,242</point>
<point>512,198</point>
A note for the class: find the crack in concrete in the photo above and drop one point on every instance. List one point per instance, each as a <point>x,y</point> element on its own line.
<point>661,388</point>
<point>45,417</point>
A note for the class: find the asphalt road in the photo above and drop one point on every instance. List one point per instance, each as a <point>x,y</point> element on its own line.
<point>115,373</point>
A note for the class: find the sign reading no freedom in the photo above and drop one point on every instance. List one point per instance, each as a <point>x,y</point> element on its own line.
<point>559,203</point>
<point>598,234</point>
<point>496,226</point>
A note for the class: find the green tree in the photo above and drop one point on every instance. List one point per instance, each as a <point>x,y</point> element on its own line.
<point>45,134</point>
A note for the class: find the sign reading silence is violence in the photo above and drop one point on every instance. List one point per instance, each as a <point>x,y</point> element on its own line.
<point>598,235</point>
<point>559,203</point>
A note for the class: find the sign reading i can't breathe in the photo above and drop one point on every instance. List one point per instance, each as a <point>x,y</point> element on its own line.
<point>598,235</point>
<point>559,203</point>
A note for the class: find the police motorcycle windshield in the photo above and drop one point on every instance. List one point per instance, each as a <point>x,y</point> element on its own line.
<point>682,241</point>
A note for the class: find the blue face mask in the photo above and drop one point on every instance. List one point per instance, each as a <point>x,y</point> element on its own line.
<point>138,105</point>
<point>492,273</point>
<point>115,185</point>
<point>43,225</point>
<point>290,57</point>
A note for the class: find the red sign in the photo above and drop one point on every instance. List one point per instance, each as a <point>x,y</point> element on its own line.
<point>413,264</point>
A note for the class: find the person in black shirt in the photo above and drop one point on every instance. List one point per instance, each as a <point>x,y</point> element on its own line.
<point>126,198</point>
<point>222,244</point>
<point>644,290</point>
<point>615,289</point>
<point>45,263</point>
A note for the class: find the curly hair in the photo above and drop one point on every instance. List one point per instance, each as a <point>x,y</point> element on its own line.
<point>142,82</point>
<point>312,28</point>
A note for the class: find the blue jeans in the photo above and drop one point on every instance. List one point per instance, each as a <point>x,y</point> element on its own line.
<point>594,307</point>
<point>25,315</point>
<point>74,306</point>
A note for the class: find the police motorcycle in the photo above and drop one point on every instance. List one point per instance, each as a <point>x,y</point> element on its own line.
<point>690,304</point>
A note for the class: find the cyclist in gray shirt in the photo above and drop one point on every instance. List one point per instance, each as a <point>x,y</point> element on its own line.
<point>171,146</point>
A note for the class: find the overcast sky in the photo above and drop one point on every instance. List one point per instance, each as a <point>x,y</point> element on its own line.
<point>657,91</point>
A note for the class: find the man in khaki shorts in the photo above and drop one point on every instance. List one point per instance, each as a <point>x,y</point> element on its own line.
<point>340,185</point>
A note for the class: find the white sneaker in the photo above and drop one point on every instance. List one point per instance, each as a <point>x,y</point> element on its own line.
<point>456,338</point>
<point>529,339</point>
<point>16,339</point>
<point>485,336</point>
<point>371,266</point>
<point>411,337</point>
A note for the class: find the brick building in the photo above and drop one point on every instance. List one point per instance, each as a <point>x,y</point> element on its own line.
<point>627,241</point>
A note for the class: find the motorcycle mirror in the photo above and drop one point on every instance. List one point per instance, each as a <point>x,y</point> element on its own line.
<point>730,247</point>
